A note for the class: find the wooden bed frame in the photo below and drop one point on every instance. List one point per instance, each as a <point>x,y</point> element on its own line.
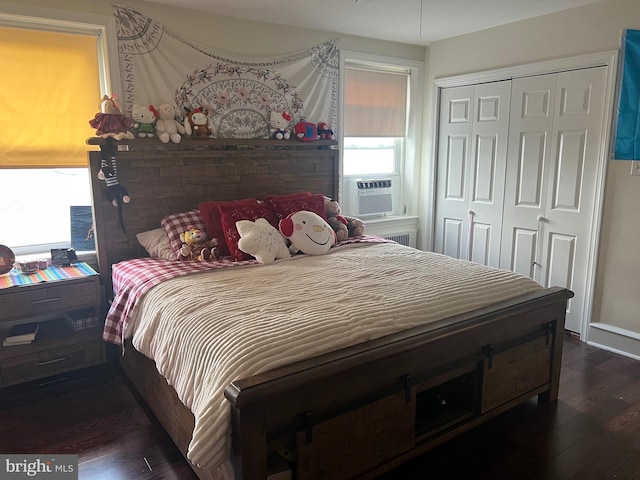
<point>353,413</point>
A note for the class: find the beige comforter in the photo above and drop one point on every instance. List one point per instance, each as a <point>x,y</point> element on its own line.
<point>208,329</point>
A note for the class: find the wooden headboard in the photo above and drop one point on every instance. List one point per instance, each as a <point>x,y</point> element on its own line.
<point>172,178</point>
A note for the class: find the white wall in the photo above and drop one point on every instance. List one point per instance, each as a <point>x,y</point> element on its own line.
<point>233,35</point>
<point>593,28</point>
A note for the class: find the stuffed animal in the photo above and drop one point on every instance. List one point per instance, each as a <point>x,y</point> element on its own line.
<point>344,226</point>
<point>144,120</point>
<point>116,193</point>
<point>324,131</point>
<point>305,131</point>
<point>334,218</point>
<point>339,225</point>
<point>196,246</point>
<point>279,122</point>
<point>168,128</point>
<point>308,232</point>
<point>197,124</point>
<point>110,122</point>
<point>355,226</point>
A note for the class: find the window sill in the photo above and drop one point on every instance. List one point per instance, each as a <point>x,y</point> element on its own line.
<point>88,257</point>
<point>390,224</point>
<point>391,221</point>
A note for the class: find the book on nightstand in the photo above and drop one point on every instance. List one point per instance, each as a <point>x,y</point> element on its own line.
<point>22,334</point>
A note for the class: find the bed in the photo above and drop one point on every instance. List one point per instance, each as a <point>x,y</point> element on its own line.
<point>343,365</point>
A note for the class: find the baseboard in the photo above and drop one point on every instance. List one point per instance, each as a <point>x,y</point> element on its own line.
<point>615,339</point>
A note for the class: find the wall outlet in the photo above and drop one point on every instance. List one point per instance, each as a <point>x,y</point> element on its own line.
<point>635,167</point>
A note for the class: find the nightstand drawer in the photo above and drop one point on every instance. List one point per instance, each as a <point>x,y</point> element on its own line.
<point>50,362</point>
<point>53,298</point>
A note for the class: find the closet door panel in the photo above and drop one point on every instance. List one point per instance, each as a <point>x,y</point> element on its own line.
<point>454,151</point>
<point>569,170</point>
<point>571,197</point>
<point>472,142</point>
<point>487,173</point>
<point>561,253</point>
<point>452,236</point>
<point>531,123</point>
<point>481,246</point>
<point>531,161</point>
<point>456,167</point>
<point>523,248</point>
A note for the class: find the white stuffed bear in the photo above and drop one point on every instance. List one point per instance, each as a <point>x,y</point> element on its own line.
<point>167,126</point>
<point>308,233</point>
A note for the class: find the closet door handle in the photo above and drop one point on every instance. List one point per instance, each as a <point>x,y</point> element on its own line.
<point>541,222</point>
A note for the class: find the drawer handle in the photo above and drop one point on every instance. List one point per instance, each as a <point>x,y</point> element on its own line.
<point>52,382</point>
<point>47,300</point>
<point>49,362</point>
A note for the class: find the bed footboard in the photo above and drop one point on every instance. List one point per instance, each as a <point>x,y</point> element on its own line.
<point>360,412</point>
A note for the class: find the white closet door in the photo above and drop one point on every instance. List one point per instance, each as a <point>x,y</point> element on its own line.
<point>531,124</point>
<point>472,146</point>
<point>454,152</point>
<point>554,154</point>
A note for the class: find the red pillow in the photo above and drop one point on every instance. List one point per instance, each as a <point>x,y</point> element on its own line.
<point>288,195</point>
<point>230,214</point>
<point>283,207</point>
<point>211,218</point>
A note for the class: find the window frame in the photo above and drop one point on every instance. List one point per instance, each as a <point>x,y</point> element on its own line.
<point>103,27</point>
<point>409,165</point>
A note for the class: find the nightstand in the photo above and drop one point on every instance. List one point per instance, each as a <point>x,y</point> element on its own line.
<point>57,349</point>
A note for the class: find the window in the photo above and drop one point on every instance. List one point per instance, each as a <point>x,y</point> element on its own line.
<point>364,156</point>
<point>380,125</point>
<point>43,155</point>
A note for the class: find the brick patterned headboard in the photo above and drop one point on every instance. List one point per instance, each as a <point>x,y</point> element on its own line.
<point>171,178</point>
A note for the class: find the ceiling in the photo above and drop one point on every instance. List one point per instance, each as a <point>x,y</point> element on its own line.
<point>417,22</point>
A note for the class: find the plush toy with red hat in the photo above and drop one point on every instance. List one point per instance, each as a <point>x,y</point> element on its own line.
<point>197,124</point>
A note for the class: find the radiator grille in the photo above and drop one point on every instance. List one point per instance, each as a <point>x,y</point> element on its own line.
<point>403,238</point>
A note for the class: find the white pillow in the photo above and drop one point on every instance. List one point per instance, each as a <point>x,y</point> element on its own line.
<point>262,240</point>
<point>156,243</point>
<point>308,232</point>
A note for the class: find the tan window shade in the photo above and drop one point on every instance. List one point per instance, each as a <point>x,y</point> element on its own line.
<point>49,90</point>
<point>375,103</point>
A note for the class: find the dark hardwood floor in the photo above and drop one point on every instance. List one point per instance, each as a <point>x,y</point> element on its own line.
<point>592,432</point>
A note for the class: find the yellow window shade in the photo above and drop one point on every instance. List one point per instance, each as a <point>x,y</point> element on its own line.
<point>49,90</point>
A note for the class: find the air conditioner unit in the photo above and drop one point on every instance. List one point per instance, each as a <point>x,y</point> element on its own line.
<point>374,197</point>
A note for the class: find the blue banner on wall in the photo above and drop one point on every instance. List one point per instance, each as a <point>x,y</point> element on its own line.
<point>627,140</point>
